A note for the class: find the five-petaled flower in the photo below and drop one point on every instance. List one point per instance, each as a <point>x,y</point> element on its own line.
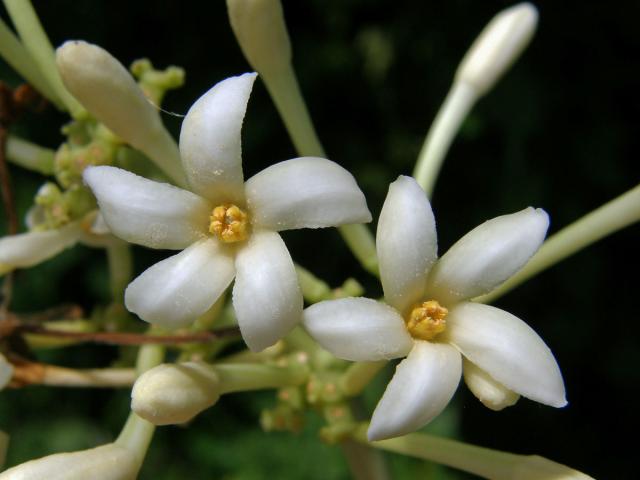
<point>430,319</point>
<point>227,227</point>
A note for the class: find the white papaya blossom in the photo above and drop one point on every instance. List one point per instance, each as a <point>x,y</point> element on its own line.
<point>431,320</point>
<point>225,227</point>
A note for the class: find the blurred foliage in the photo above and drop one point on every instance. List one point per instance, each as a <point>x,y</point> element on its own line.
<point>558,132</point>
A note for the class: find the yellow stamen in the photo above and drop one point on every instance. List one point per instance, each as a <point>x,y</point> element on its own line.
<point>427,320</point>
<point>229,223</point>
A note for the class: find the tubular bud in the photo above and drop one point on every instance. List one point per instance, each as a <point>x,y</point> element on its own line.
<point>497,47</point>
<point>261,32</point>
<point>109,92</point>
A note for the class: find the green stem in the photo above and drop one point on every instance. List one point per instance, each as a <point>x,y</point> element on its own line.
<point>358,376</point>
<point>19,59</point>
<point>313,288</point>
<point>285,91</point>
<point>29,155</point>
<point>484,462</point>
<point>4,445</point>
<point>38,45</point>
<point>120,268</point>
<point>235,377</point>
<point>137,433</point>
<point>611,217</point>
<point>452,113</point>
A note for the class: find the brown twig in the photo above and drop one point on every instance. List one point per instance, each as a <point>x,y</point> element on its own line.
<point>127,338</point>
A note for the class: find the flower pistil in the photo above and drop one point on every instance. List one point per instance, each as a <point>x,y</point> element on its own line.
<point>427,320</point>
<point>229,223</point>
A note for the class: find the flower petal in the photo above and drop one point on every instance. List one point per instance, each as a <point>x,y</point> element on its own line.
<point>488,255</point>
<point>492,394</point>
<point>30,248</point>
<point>358,329</point>
<point>305,192</point>
<point>174,292</point>
<point>508,350</point>
<point>138,210</point>
<point>406,243</point>
<point>266,296</point>
<point>422,386</point>
<point>210,140</point>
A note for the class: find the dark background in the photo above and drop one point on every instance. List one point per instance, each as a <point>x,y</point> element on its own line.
<point>559,132</point>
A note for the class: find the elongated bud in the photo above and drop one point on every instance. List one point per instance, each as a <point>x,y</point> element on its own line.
<point>492,394</point>
<point>175,393</point>
<point>109,92</point>
<point>261,32</point>
<point>497,47</point>
<point>107,462</point>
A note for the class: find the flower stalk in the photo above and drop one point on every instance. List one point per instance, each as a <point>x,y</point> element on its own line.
<point>609,218</point>
<point>29,155</point>
<point>38,45</point>
<point>484,462</point>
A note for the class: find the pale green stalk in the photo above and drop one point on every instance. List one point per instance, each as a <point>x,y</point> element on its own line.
<point>29,155</point>
<point>235,377</point>
<point>443,130</point>
<point>120,268</point>
<point>93,377</point>
<point>137,433</point>
<point>14,53</point>
<point>609,218</point>
<point>484,462</point>
<point>38,45</point>
<point>358,376</point>
<point>313,288</point>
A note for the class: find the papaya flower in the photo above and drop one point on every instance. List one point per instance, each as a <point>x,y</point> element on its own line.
<point>430,319</point>
<point>225,227</point>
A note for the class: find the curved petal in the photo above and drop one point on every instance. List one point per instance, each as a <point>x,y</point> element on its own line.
<point>210,140</point>
<point>422,386</point>
<point>153,214</point>
<point>30,248</point>
<point>174,292</point>
<point>266,296</point>
<point>488,255</point>
<point>305,192</point>
<point>492,394</point>
<point>406,243</point>
<point>508,350</point>
<point>358,329</point>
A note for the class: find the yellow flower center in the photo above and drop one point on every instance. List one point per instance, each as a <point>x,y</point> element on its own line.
<point>229,223</point>
<point>427,320</point>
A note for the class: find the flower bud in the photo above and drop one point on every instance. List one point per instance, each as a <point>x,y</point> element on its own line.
<point>109,92</point>
<point>107,462</point>
<point>261,32</point>
<point>497,47</point>
<point>492,394</point>
<point>175,393</point>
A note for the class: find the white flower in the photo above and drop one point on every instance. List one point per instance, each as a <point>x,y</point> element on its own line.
<point>430,319</point>
<point>227,228</point>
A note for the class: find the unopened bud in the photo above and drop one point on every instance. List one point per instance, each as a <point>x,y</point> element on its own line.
<point>109,92</point>
<point>261,32</point>
<point>492,394</point>
<point>108,462</point>
<point>497,47</point>
<point>175,393</point>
